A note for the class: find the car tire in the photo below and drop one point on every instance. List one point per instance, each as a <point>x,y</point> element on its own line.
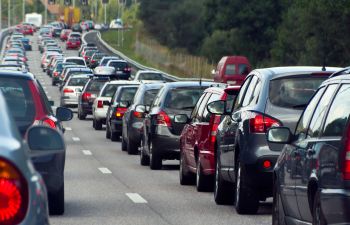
<point>53,83</point>
<point>131,147</point>
<point>115,136</point>
<point>98,124</point>
<point>56,202</point>
<point>277,209</point>
<point>246,197</point>
<point>108,131</point>
<point>144,159</point>
<point>204,183</point>
<point>155,158</point>
<point>223,190</point>
<point>81,116</point>
<point>186,177</point>
<point>318,217</point>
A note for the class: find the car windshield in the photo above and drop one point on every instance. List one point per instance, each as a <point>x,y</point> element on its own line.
<point>150,76</point>
<point>78,81</point>
<point>127,94</point>
<point>293,92</point>
<point>76,61</point>
<point>183,98</point>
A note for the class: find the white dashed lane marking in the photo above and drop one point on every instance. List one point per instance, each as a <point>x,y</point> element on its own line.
<point>105,170</point>
<point>68,128</point>
<point>136,198</point>
<point>87,152</point>
<point>76,139</point>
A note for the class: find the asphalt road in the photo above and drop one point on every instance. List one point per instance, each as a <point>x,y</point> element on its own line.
<point>104,185</point>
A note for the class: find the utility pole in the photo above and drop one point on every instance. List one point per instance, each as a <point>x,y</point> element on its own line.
<point>46,3</point>
<point>0,20</point>
<point>23,9</point>
<point>9,14</point>
<point>105,5</point>
<point>73,3</point>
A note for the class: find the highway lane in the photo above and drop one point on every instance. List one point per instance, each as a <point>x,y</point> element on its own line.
<point>104,185</point>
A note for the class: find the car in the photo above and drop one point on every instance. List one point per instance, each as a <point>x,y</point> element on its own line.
<point>105,71</point>
<point>22,189</point>
<point>74,35</point>
<point>47,57</point>
<point>198,138</point>
<point>52,63</point>
<point>77,28</point>
<point>26,44</point>
<point>88,54</point>
<point>311,175</point>
<point>95,59</point>
<point>122,68</point>
<point>56,32</point>
<point>87,46</point>
<point>56,71</point>
<point>244,160</point>
<point>232,70</point>
<point>149,76</point>
<point>87,97</point>
<point>116,24</point>
<point>133,120</point>
<point>64,34</point>
<point>74,71</point>
<point>73,43</point>
<point>72,89</point>
<point>105,60</point>
<point>160,132</point>
<point>101,103</point>
<point>29,106</point>
<point>76,60</point>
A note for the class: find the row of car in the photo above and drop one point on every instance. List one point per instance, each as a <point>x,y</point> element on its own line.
<point>33,153</point>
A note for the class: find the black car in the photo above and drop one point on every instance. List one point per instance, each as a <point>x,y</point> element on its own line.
<point>122,69</point>
<point>244,160</point>
<point>90,91</point>
<point>133,120</point>
<point>56,32</point>
<point>160,140</point>
<point>120,102</point>
<point>312,174</point>
<point>77,28</point>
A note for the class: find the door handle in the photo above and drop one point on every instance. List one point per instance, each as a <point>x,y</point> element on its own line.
<point>310,152</point>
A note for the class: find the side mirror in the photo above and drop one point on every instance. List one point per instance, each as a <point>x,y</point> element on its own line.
<point>217,107</point>
<point>44,138</point>
<point>107,103</point>
<point>181,118</point>
<point>64,114</point>
<point>279,135</point>
<point>124,104</point>
<point>140,109</point>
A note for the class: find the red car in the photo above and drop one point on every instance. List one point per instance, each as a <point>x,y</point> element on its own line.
<point>64,34</point>
<point>232,70</point>
<point>28,30</point>
<point>198,138</point>
<point>73,43</point>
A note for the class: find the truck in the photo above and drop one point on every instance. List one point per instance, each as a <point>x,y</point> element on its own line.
<point>34,18</point>
<point>71,15</point>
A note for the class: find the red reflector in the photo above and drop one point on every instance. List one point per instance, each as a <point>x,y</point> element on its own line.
<point>67,90</point>
<point>267,164</point>
<point>99,104</point>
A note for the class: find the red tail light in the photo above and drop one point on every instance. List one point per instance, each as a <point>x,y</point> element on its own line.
<point>138,114</point>
<point>13,194</point>
<point>68,42</point>
<point>86,96</point>
<point>55,74</point>
<point>127,69</point>
<point>260,123</point>
<point>99,104</point>
<point>163,119</point>
<point>92,61</point>
<point>346,158</point>
<point>49,123</point>
<point>213,132</point>
<point>67,90</point>
<point>119,112</point>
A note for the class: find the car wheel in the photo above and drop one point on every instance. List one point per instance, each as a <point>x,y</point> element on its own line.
<point>108,131</point>
<point>144,159</point>
<point>277,209</point>
<point>98,124</point>
<point>155,158</point>
<point>53,83</point>
<point>115,136</point>
<point>223,194</point>
<point>131,147</point>
<point>186,177</point>
<point>203,182</point>
<point>246,197</point>
<point>56,202</point>
<point>318,217</point>
<point>81,116</point>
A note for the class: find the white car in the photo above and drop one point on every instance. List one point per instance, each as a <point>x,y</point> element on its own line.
<point>76,60</point>
<point>72,89</point>
<point>116,24</point>
<point>149,75</point>
<point>101,103</point>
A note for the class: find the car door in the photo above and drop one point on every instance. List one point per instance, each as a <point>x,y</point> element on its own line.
<point>303,160</point>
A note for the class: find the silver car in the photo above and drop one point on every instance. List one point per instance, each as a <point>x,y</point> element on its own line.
<point>72,89</point>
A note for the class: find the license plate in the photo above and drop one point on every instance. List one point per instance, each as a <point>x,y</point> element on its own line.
<point>119,72</point>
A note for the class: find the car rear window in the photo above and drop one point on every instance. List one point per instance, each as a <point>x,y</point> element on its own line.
<point>95,85</point>
<point>293,92</point>
<point>149,96</point>
<point>109,90</point>
<point>19,98</point>
<point>90,52</point>
<point>76,61</point>
<point>230,69</point>
<point>127,94</point>
<point>78,81</point>
<point>183,98</point>
<point>118,65</point>
<point>150,76</point>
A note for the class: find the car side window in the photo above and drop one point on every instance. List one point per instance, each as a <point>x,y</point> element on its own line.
<point>156,101</point>
<point>338,113</point>
<point>305,118</point>
<point>206,114</point>
<point>250,92</point>
<point>195,109</point>
<point>317,118</point>
<point>241,93</point>
<point>201,105</point>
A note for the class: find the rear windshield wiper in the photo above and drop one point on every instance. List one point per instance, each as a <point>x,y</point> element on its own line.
<point>299,106</point>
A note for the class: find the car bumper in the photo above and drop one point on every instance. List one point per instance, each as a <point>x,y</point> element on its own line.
<point>117,126</point>
<point>166,143</point>
<point>100,114</point>
<point>335,204</point>
<point>86,108</point>
<point>207,159</point>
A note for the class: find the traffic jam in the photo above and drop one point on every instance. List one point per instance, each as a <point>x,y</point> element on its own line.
<point>278,135</point>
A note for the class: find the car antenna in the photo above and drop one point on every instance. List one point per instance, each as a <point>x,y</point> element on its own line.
<point>324,64</point>
<point>200,79</point>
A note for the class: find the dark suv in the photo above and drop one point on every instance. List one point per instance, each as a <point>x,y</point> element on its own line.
<point>312,174</point>
<point>161,134</point>
<point>244,160</point>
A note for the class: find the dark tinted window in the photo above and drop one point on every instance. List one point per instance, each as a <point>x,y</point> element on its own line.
<point>252,93</point>
<point>243,69</point>
<point>127,94</point>
<point>150,76</point>
<point>293,92</point>
<point>19,98</point>
<point>195,109</point>
<point>78,81</point>
<point>338,113</point>
<point>230,69</point>
<point>95,85</point>
<point>90,53</point>
<point>183,98</point>
<point>76,61</point>
<point>202,106</point>
<point>242,92</point>
<point>317,118</point>
<point>207,114</point>
<point>118,65</point>
<point>149,96</point>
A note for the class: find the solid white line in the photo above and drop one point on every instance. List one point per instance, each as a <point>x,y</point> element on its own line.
<point>68,128</point>
<point>76,139</point>
<point>136,198</point>
<point>44,87</point>
<point>105,170</point>
<point>87,152</point>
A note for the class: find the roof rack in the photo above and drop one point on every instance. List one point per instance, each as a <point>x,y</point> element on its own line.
<point>346,70</point>
<point>221,85</point>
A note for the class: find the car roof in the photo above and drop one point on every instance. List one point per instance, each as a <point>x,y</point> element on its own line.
<point>123,82</point>
<point>16,74</point>
<point>117,60</point>
<point>74,57</point>
<point>187,84</point>
<point>80,76</point>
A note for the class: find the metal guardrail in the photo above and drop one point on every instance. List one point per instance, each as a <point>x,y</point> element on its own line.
<point>136,64</point>
<point>4,35</point>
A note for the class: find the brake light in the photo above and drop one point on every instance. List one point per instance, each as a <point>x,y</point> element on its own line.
<point>13,194</point>
<point>49,123</point>
<point>55,74</point>
<point>86,96</point>
<point>99,104</point>
<point>68,42</point>
<point>213,132</point>
<point>119,112</point>
<point>346,158</point>
<point>260,123</point>
<point>67,90</point>
<point>163,119</point>
<point>127,69</point>
<point>138,114</point>
<point>93,61</point>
